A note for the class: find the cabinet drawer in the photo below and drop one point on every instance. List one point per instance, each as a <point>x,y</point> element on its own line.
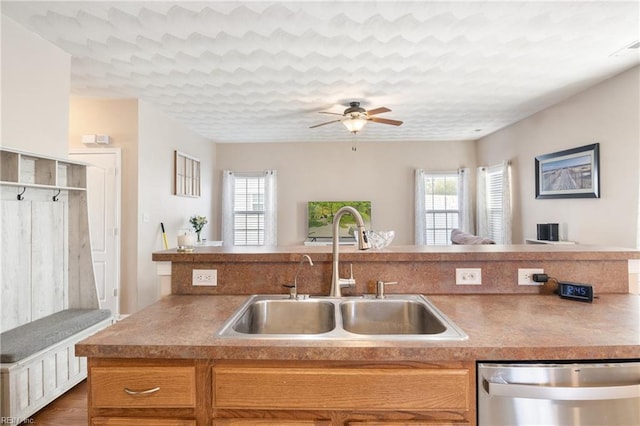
<point>269,422</point>
<point>341,388</point>
<point>127,421</point>
<point>408,423</point>
<point>166,387</point>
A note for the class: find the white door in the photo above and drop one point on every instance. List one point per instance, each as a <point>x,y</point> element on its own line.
<point>103,199</point>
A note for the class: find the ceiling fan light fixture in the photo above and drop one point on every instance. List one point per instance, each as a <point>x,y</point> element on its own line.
<point>354,124</point>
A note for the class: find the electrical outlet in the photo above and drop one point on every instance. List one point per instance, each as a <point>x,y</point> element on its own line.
<point>468,276</point>
<point>204,277</point>
<point>524,276</point>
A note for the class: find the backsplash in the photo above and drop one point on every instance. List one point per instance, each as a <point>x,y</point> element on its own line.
<point>416,271</point>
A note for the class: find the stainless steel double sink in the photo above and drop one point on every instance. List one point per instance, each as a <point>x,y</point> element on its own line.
<point>396,317</point>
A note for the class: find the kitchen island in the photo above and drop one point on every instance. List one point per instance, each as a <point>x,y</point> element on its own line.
<point>165,365</point>
<point>172,345</point>
<point>500,327</point>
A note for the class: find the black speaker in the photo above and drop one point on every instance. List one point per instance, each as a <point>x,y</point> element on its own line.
<point>553,232</point>
<point>543,231</point>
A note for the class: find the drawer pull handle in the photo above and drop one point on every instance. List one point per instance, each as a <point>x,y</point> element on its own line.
<point>144,392</point>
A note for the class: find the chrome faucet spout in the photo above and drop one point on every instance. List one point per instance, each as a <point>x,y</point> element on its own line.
<point>363,244</point>
<point>293,288</point>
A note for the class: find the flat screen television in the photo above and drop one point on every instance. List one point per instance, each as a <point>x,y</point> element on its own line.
<point>320,218</point>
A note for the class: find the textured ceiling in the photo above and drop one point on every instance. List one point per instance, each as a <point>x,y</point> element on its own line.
<point>260,71</point>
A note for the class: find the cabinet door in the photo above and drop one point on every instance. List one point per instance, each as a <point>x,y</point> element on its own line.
<point>340,388</point>
<point>130,421</point>
<point>146,387</point>
<point>269,422</point>
<point>407,423</point>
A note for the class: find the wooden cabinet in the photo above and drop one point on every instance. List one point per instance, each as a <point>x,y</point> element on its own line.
<point>270,393</point>
<point>343,393</point>
<point>408,423</point>
<point>342,388</point>
<point>269,422</point>
<point>132,421</point>
<point>170,387</point>
<point>141,392</point>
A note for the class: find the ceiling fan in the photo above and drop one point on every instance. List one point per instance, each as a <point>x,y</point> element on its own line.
<point>355,117</point>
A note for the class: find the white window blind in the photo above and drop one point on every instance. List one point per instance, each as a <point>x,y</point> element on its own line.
<point>248,211</point>
<point>494,199</point>
<point>441,207</point>
<point>494,203</point>
<point>249,215</point>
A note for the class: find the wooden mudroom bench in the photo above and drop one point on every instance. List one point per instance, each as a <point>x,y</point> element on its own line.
<point>34,337</point>
<point>39,362</point>
<point>49,293</point>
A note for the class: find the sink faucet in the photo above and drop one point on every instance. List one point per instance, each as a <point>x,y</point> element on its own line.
<point>363,243</point>
<point>293,288</point>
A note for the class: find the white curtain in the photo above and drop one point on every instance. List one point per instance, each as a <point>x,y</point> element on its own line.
<point>228,201</point>
<point>420,237</point>
<point>270,209</point>
<point>464,201</point>
<point>500,228</point>
<point>505,169</point>
<point>270,206</point>
<point>638,226</point>
<point>481,203</point>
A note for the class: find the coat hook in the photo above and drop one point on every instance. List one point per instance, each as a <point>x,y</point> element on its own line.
<point>20,197</point>
<point>55,197</point>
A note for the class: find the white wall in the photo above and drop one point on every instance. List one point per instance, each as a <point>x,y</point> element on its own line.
<point>35,92</point>
<point>117,118</point>
<point>148,139</point>
<point>159,136</point>
<point>608,113</point>
<point>380,172</point>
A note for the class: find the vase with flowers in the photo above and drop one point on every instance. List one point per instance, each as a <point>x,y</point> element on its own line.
<point>198,222</point>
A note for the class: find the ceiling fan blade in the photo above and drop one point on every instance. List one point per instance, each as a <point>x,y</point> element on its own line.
<point>386,121</point>
<point>322,124</point>
<point>378,110</point>
<point>332,113</point>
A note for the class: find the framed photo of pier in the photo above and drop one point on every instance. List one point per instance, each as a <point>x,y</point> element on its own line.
<point>573,173</point>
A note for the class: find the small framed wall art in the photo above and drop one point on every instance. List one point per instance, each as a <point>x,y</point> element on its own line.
<point>187,175</point>
<point>573,173</point>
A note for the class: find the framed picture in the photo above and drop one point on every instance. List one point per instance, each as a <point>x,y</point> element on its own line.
<point>569,174</point>
<point>186,180</point>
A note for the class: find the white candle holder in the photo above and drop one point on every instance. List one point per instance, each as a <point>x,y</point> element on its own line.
<point>186,241</point>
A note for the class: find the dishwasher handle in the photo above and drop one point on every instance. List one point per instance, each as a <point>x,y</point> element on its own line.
<point>562,393</point>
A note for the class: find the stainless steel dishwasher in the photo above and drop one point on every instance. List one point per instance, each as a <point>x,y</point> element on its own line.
<point>541,394</point>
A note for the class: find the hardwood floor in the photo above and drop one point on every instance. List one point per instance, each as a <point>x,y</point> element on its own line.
<point>68,410</point>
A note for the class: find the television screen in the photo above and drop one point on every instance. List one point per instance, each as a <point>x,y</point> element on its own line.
<point>320,218</point>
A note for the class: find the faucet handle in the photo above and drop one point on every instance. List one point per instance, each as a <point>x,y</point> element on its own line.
<point>380,288</point>
<point>293,290</point>
<point>348,282</point>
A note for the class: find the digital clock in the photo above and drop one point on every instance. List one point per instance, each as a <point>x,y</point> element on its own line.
<point>575,291</point>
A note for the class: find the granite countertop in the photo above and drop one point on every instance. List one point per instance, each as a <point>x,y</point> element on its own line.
<point>500,327</point>
<point>401,253</point>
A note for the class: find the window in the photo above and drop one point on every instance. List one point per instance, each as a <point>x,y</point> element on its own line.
<point>494,203</point>
<point>248,211</point>
<point>439,206</point>
<point>248,204</point>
